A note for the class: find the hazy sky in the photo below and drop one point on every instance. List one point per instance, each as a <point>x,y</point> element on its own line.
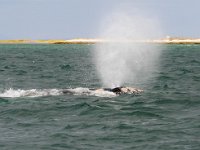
<point>65,19</point>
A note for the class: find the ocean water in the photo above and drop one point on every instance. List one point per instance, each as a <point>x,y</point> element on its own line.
<point>34,114</point>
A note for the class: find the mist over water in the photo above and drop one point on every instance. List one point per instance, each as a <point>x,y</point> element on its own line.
<point>122,62</point>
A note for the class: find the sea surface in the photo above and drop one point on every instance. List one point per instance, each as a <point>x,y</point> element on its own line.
<point>36,115</point>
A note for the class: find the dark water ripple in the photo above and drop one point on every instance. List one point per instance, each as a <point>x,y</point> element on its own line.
<point>166,116</point>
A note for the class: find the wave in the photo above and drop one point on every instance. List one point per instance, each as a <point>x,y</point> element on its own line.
<point>15,93</point>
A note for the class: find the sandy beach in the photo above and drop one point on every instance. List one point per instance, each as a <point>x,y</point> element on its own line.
<point>95,41</point>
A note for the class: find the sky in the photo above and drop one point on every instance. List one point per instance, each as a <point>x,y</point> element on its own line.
<point>66,19</point>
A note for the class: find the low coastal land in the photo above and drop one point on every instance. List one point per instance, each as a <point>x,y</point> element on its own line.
<point>167,40</point>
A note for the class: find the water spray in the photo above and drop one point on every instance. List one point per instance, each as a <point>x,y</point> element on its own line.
<point>124,59</point>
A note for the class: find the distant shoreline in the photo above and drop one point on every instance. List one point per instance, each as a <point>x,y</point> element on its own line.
<point>167,40</point>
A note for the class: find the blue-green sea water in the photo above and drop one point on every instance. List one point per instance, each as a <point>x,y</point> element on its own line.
<point>34,115</point>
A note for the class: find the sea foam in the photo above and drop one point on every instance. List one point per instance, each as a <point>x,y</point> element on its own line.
<point>16,93</point>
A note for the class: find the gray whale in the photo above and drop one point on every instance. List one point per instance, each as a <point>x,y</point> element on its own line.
<point>124,90</point>
<point>116,90</point>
